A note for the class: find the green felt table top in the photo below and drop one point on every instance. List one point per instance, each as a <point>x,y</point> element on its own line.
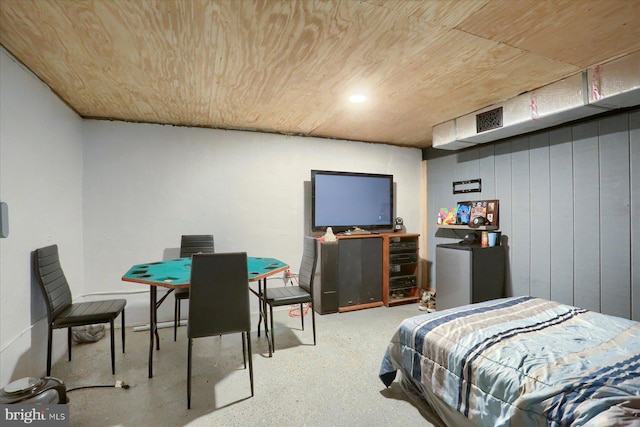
<point>175,273</point>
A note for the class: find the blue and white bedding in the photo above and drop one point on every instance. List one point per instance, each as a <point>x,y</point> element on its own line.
<point>522,361</point>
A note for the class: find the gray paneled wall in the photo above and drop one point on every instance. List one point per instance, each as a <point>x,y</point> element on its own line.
<point>569,210</point>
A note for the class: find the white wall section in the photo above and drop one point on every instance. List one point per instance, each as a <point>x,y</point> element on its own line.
<point>41,182</point>
<point>114,194</point>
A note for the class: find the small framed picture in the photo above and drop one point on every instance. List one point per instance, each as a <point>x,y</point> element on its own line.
<point>463,213</point>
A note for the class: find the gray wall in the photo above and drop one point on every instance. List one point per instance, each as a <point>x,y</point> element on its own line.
<point>569,209</point>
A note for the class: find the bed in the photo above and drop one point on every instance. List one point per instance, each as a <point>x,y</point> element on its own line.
<point>518,361</point>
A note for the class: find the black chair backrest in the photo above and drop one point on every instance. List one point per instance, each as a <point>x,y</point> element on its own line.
<point>196,243</point>
<point>52,281</point>
<point>219,295</point>
<point>307,269</point>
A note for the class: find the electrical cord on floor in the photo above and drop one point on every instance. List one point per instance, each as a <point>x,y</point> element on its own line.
<point>294,310</point>
<point>118,384</point>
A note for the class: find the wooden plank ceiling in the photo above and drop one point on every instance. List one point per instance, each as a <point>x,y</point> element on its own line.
<point>288,66</point>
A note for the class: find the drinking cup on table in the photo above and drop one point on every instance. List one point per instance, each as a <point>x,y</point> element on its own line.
<point>493,239</point>
<point>484,239</point>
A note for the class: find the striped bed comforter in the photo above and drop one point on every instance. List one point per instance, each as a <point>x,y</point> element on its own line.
<point>523,361</point>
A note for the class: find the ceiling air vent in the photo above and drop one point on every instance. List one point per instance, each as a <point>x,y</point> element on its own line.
<point>489,120</point>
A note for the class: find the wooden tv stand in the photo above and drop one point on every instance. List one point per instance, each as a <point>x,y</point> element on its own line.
<point>354,273</point>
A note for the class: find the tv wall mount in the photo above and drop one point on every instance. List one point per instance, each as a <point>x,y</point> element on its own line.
<point>468,186</point>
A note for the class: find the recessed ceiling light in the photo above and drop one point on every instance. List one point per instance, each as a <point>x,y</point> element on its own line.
<point>357,99</point>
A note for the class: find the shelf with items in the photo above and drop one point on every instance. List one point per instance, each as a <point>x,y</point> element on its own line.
<point>401,281</point>
<point>467,227</point>
<point>482,215</point>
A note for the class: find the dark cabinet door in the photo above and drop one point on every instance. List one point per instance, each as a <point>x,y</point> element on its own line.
<point>326,281</point>
<point>360,271</point>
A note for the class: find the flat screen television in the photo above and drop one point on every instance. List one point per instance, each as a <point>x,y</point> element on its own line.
<point>345,200</point>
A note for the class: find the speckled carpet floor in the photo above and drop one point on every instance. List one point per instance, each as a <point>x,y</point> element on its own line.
<point>332,384</point>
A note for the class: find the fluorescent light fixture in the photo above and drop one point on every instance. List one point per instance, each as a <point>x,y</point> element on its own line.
<point>357,99</point>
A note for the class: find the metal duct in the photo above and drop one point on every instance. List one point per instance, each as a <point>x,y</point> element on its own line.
<point>612,85</point>
<point>616,84</point>
<point>446,133</point>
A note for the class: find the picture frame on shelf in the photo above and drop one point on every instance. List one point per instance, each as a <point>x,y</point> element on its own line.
<point>463,213</point>
<point>466,211</point>
<point>447,216</point>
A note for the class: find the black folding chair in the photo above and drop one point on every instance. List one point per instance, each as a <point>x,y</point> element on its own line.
<point>219,303</point>
<point>189,244</point>
<point>300,294</point>
<point>62,312</point>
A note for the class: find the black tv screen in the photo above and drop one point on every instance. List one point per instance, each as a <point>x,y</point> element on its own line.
<point>345,200</point>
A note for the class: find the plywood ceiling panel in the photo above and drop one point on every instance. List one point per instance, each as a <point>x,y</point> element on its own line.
<point>288,66</point>
<point>582,33</point>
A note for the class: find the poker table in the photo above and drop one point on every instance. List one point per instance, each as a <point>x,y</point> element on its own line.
<point>176,273</point>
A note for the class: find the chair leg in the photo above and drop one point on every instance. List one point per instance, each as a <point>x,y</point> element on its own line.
<point>272,347</point>
<point>260,308</point>
<point>250,360</point>
<point>189,373</point>
<point>122,314</point>
<point>176,314</point>
<point>244,348</point>
<point>50,338</point>
<point>313,322</point>
<point>302,314</point>
<point>259,322</point>
<point>69,343</point>
<point>112,334</point>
